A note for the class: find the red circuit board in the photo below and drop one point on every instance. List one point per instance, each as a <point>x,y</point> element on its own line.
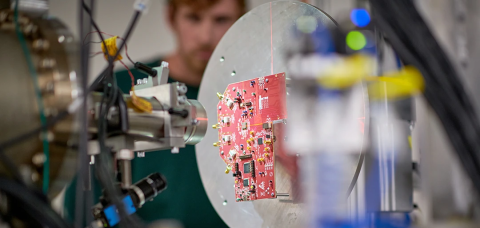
<point>246,115</point>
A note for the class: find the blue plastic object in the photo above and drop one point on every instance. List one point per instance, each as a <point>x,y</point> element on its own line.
<point>360,17</point>
<point>111,212</point>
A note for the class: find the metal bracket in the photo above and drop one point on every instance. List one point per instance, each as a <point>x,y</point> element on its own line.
<point>160,79</point>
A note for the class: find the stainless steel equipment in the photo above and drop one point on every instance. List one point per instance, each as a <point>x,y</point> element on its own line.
<point>54,54</point>
<point>174,122</point>
<point>253,47</point>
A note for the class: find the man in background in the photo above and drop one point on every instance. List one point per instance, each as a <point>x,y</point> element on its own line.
<point>198,26</point>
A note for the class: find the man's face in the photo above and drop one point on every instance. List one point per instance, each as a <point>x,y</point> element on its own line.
<point>198,32</point>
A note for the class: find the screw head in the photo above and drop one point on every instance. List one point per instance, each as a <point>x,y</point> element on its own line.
<point>38,159</point>
<point>175,150</point>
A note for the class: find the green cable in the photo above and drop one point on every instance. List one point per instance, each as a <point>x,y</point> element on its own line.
<point>43,120</point>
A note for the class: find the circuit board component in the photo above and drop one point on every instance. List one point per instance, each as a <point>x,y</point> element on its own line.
<point>246,113</point>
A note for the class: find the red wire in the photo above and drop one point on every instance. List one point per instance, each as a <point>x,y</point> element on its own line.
<point>129,72</point>
<point>93,54</point>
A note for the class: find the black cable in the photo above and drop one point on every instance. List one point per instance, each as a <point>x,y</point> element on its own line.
<point>38,208</point>
<point>104,170</point>
<point>94,86</point>
<point>410,36</point>
<point>108,70</point>
<point>94,24</point>
<point>81,208</point>
<point>9,164</point>
<point>104,165</point>
<point>361,158</point>
<point>11,167</point>
<point>125,37</point>
<point>123,112</point>
<point>179,112</point>
<point>34,132</point>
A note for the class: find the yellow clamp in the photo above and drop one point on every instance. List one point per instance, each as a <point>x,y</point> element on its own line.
<point>139,104</point>
<point>352,70</point>
<point>403,83</point>
<point>346,73</point>
<point>112,48</point>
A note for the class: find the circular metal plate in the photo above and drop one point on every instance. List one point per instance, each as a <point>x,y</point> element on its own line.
<point>53,52</point>
<point>253,47</point>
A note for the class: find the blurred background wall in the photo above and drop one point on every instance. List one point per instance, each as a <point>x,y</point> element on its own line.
<point>152,37</point>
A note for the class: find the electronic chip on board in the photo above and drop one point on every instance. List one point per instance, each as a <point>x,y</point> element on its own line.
<point>259,102</point>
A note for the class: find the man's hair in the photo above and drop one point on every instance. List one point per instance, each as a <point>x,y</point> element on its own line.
<point>202,4</point>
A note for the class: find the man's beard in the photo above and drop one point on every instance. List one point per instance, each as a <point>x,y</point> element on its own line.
<point>194,63</point>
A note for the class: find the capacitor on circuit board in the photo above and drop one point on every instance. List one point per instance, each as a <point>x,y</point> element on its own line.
<point>227,138</point>
<point>229,103</point>
<point>226,120</point>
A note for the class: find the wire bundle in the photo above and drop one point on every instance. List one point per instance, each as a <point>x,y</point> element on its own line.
<point>111,96</point>
<point>411,38</point>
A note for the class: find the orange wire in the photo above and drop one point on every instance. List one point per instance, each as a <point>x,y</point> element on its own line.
<point>129,72</point>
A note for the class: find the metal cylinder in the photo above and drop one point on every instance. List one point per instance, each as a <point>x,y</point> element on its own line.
<point>147,188</point>
<point>126,170</point>
<point>54,55</point>
<point>153,125</point>
<point>195,132</point>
